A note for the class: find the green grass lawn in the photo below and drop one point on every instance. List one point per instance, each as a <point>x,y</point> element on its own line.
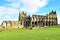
<point>49,33</point>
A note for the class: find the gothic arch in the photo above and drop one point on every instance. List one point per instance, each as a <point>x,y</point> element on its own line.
<point>6,23</point>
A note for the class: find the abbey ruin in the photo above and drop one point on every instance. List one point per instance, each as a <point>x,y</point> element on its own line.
<point>25,21</point>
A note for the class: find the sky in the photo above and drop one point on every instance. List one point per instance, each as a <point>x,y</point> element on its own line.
<point>9,9</point>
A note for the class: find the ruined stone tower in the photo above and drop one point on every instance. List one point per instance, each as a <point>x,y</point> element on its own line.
<point>22,16</point>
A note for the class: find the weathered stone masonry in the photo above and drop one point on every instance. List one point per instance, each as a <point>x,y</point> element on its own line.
<point>38,20</point>
<point>25,21</point>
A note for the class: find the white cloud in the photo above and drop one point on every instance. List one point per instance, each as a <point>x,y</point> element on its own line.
<point>28,5</point>
<point>7,10</point>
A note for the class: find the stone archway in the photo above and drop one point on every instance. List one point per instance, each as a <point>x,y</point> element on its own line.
<point>35,22</point>
<point>49,23</point>
<point>6,23</point>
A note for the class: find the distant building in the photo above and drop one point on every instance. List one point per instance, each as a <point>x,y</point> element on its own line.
<point>25,21</point>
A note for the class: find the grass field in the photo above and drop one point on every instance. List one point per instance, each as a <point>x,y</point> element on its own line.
<point>49,33</point>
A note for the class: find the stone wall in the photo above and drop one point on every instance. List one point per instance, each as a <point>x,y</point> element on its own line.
<point>34,21</point>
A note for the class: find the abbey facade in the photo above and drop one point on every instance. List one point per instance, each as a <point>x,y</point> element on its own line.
<point>25,21</point>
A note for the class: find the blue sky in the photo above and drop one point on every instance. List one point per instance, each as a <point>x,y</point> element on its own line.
<point>9,9</point>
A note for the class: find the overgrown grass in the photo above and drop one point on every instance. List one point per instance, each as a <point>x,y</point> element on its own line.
<point>49,33</point>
